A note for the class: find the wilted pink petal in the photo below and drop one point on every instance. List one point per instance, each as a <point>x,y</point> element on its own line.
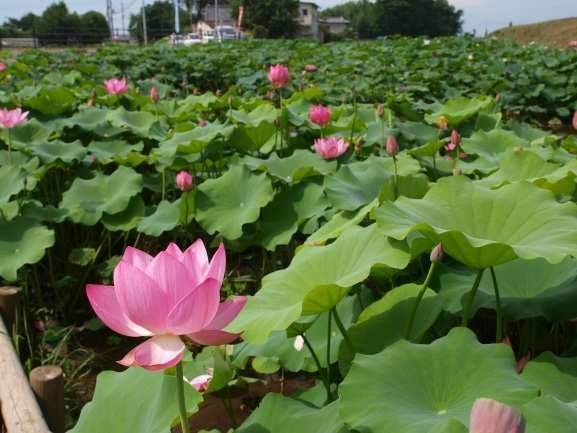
<point>490,416</point>
<point>320,115</point>
<point>212,334</point>
<point>278,75</point>
<point>299,343</point>
<point>12,118</point>
<point>184,180</point>
<point>156,353</point>
<point>200,383</point>
<point>331,147</point>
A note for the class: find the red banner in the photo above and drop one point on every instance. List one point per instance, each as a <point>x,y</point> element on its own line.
<point>240,17</point>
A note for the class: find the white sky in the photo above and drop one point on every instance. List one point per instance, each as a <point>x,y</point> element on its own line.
<point>479,14</point>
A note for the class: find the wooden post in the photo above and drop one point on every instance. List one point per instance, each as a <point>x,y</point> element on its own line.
<point>9,298</point>
<point>48,384</point>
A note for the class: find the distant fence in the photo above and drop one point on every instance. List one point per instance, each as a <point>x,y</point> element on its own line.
<point>19,42</point>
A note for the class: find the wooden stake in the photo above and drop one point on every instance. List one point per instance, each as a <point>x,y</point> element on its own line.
<point>48,385</point>
<point>9,298</point>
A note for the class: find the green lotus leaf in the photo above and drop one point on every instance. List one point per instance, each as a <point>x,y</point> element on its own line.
<point>88,119</point>
<point>12,180</point>
<point>526,165</point>
<point>225,204</point>
<point>52,101</point>
<point>51,151</point>
<point>23,241</point>
<point>88,199</point>
<point>549,415</point>
<point>35,210</point>
<point>460,109</point>
<point>254,128</point>
<point>31,132</point>
<point>339,223</point>
<point>127,219</point>
<point>196,102</point>
<point>163,219</point>
<point>113,150</point>
<point>280,414</point>
<point>294,168</point>
<point>281,218</point>
<point>377,132</point>
<point>193,141</point>
<point>115,409</point>
<point>316,280</point>
<point>139,122</point>
<point>528,288</point>
<point>430,148</point>
<point>553,375</point>
<point>492,144</point>
<point>482,227</point>
<point>418,132</point>
<point>412,388</point>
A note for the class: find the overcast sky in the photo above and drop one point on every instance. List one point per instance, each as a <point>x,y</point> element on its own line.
<point>479,14</point>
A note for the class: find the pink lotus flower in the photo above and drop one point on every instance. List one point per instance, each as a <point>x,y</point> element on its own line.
<point>278,75</point>
<point>331,147</point>
<point>310,68</point>
<point>184,180</point>
<point>573,44</point>
<point>115,86</point>
<point>201,123</point>
<point>490,416</point>
<point>575,120</point>
<point>450,146</point>
<point>2,67</point>
<point>320,115</point>
<point>299,343</point>
<point>12,118</point>
<point>154,94</point>
<point>392,146</point>
<point>165,297</point>
<point>455,137</point>
<point>202,382</point>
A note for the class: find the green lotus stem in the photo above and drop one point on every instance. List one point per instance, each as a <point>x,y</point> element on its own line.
<point>318,364</point>
<point>163,183</point>
<point>10,145</point>
<point>329,335</point>
<point>343,330</point>
<point>229,411</point>
<point>499,331</point>
<point>396,179</point>
<point>473,293</point>
<point>426,283</point>
<point>180,396</point>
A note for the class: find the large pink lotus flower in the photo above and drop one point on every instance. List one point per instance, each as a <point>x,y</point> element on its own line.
<point>165,297</point>
<point>331,147</point>
<point>278,75</point>
<point>2,67</point>
<point>116,86</point>
<point>202,382</point>
<point>320,115</point>
<point>12,118</point>
<point>490,416</point>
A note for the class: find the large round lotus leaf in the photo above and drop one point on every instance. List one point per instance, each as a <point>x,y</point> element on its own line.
<point>549,415</point>
<point>492,144</point>
<point>357,184</point>
<point>301,164</point>
<point>87,199</point>
<point>126,220</point>
<point>52,101</point>
<point>31,132</point>
<point>139,122</point>
<point>526,165</point>
<point>135,400</point>
<point>316,280</point>
<point>22,241</point>
<point>459,109</point>
<point>412,388</point>
<point>253,128</point>
<point>280,414</point>
<point>482,227</point>
<point>281,218</point>
<point>163,219</point>
<point>528,288</point>
<point>225,204</point>
<point>553,375</point>
<point>113,150</point>
<point>88,119</point>
<point>12,179</point>
<point>51,151</point>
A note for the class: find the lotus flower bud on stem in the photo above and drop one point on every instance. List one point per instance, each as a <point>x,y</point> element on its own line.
<point>392,146</point>
<point>437,254</point>
<point>455,137</point>
<point>279,76</point>
<point>184,180</point>
<point>299,343</point>
<point>380,111</point>
<point>154,94</point>
<point>320,115</point>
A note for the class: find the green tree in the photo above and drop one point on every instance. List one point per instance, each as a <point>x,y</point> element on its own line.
<point>159,21</point>
<point>269,18</point>
<point>58,26</point>
<point>94,28</point>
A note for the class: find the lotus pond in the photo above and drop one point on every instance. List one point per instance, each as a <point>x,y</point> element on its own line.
<point>381,237</point>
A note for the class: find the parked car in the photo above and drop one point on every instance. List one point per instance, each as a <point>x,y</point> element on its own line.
<point>191,39</point>
<point>227,33</point>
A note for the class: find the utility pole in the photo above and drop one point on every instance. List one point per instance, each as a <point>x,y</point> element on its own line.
<point>122,15</point>
<point>110,17</point>
<point>177,17</point>
<point>144,28</point>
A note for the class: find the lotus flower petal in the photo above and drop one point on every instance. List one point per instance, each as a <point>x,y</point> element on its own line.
<point>137,258</point>
<point>212,334</point>
<point>490,416</point>
<point>196,310</point>
<point>196,258</point>
<point>156,353</point>
<point>172,277</point>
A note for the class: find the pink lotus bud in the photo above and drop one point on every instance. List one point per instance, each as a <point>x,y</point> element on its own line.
<point>331,147</point>
<point>575,120</point>
<point>522,362</point>
<point>573,44</point>
<point>392,145</point>
<point>11,118</point>
<point>278,75</point>
<point>184,180</point>
<point>115,86</point>
<point>2,67</point>
<point>201,123</point>
<point>299,343</point>
<point>490,416</point>
<point>310,68</point>
<point>320,115</point>
<point>202,382</point>
<point>437,254</point>
<point>455,137</point>
<point>380,110</point>
<point>154,94</point>
<point>39,325</point>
